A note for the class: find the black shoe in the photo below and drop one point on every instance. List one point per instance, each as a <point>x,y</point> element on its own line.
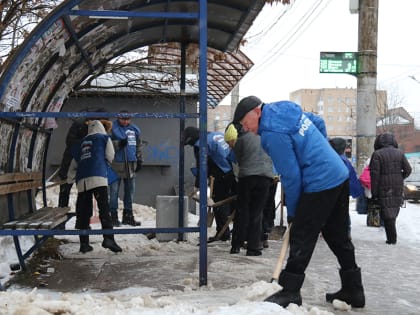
<point>111,245</point>
<point>351,290</point>
<point>84,248</point>
<point>116,223</point>
<point>253,252</point>
<point>284,298</point>
<point>84,244</point>
<point>291,284</point>
<point>353,297</point>
<point>129,220</point>
<point>391,242</point>
<point>235,250</point>
<point>225,237</point>
<point>114,219</point>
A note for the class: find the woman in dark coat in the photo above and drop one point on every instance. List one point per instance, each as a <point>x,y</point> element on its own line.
<point>388,168</point>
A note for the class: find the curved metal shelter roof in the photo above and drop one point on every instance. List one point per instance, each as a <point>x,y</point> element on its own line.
<point>79,37</point>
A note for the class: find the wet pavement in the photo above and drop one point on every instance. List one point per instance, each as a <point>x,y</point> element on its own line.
<point>391,274</point>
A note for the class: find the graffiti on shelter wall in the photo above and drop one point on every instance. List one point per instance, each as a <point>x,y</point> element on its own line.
<point>161,153</point>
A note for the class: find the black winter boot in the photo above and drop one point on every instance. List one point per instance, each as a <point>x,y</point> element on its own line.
<point>114,219</point>
<point>351,289</point>
<point>128,218</point>
<point>291,283</point>
<point>110,243</point>
<point>84,244</point>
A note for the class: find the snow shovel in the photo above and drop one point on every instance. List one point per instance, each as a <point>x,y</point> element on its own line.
<point>278,231</point>
<point>222,231</point>
<point>282,227</point>
<point>222,202</point>
<point>282,255</point>
<point>210,212</point>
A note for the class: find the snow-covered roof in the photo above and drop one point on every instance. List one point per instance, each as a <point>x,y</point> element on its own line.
<point>392,120</point>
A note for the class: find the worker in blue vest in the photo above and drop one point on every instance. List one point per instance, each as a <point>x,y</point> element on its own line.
<point>220,167</point>
<point>127,162</point>
<point>77,131</point>
<point>89,168</point>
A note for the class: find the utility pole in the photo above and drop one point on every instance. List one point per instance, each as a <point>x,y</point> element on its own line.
<point>234,100</point>
<point>366,80</point>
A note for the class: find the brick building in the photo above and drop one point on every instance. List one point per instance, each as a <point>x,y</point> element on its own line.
<point>399,122</point>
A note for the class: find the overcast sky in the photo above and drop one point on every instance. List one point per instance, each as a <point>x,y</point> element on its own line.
<point>286,53</point>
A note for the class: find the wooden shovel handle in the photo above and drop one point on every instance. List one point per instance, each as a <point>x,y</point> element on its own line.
<point>282,255</point>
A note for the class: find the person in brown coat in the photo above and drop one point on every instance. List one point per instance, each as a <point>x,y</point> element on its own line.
<point>388,169</point>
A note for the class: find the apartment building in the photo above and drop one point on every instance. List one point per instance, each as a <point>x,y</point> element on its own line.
<point>219,117</point>
<point>337,106</point>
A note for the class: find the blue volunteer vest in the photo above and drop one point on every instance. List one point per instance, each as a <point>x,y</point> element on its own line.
<point>130,132</point>
<point>91,157</point>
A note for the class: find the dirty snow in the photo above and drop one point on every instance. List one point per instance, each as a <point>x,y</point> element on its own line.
<point>192,299</point>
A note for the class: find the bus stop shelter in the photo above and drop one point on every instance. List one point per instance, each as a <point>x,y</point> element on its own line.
<point>77,40</point>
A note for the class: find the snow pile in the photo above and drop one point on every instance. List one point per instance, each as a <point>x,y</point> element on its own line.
<point>136,301</point>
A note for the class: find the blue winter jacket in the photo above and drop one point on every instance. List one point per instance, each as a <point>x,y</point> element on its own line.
<point>218,150</point>
<point>300,152</point>
<point>356,189</point>
<point>132,133</point>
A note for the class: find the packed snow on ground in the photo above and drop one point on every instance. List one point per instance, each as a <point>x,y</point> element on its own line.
<point>192,300</point>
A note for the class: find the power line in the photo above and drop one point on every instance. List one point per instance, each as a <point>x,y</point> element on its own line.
<point>285,43</point>
<point>256,38</point>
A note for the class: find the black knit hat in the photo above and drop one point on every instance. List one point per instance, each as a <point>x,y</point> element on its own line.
<point>191,135</point>
<point>244,106</point>
<point>339,145</point>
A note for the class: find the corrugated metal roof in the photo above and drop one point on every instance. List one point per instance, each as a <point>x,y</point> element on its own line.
<point>159,72</point>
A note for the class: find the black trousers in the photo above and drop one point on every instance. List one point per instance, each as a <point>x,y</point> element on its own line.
<point>223,188</point>
<point>327,212</point>
<point>390,230</point>
<point>64,195</point>
<point>269,212</point>
<point>84,208</point>
<point>252,197</point>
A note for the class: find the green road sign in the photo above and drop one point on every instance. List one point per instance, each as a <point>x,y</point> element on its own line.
<point>338,62</point>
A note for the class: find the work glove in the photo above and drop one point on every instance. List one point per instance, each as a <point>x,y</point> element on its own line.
<point>139,165</point>
<point>123,142</point>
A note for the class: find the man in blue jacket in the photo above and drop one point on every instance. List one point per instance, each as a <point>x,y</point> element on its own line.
<point>316,188</point>
<point>127,162</point>
<point>219,166</point>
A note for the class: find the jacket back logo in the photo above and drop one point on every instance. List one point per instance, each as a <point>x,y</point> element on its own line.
<point>305,124</point>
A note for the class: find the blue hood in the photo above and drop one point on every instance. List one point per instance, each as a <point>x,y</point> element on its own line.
<point>283,117</point>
